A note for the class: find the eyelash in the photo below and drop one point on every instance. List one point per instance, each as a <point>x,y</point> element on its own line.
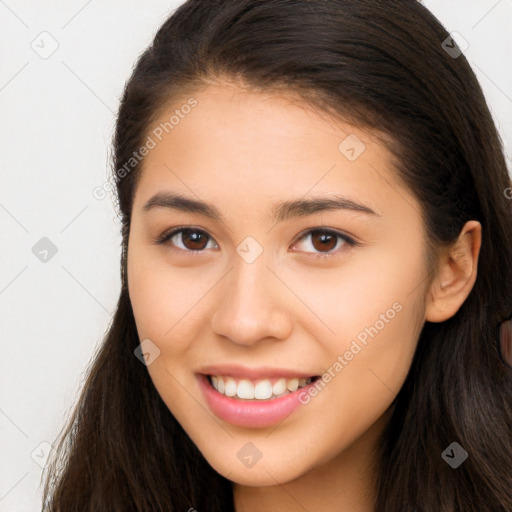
<point>167,236</point>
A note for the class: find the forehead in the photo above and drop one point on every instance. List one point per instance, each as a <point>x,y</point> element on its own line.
<point>261,145</point>
<point>243,118</point>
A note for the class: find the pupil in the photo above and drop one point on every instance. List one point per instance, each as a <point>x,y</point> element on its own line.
<point>323,237</point>
<point>194,237</point>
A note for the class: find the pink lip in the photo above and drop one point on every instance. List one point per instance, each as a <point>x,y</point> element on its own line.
<point>249,413</point>
<point>242,372</point>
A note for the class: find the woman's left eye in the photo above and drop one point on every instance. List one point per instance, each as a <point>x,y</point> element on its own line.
<point>323,241</point>
<point>326,241</point>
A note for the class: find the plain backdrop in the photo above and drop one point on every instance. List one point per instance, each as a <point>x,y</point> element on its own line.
<point>62,69</point>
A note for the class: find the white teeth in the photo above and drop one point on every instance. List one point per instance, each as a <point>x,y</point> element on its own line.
<point>245,389</point>
<point>292,384</point>
<point>260,390</point>
<point>230,387</point>
<point>279,387</point>
<point>263,390</point>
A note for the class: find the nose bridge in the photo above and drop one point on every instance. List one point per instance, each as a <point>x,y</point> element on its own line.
<point>252,304</point>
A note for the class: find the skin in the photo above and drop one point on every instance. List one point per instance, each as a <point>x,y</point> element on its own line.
<point>243,152</point>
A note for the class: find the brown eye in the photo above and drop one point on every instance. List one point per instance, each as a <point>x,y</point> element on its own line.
<point>186,239</point>
<point>324,241</point>
<point>194,240</point>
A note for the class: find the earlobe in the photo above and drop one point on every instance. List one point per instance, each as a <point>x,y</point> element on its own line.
<point>456,274</point>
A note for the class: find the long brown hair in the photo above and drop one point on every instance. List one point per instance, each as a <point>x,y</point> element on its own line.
<point>381,65</point>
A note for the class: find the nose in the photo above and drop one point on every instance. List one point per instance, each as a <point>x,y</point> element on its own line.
<point>252,305</point>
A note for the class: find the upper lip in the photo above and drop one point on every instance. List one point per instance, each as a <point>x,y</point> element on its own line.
<point>241,372</point>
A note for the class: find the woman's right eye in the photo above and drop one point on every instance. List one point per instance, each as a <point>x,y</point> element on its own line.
<point>186,239</point>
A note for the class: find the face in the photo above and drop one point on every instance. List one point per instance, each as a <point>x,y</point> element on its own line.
<point>292,253</point>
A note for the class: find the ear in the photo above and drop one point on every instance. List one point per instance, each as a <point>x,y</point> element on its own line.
<point>456,274</point>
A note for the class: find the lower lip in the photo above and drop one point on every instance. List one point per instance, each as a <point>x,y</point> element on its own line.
<point>250,413</point>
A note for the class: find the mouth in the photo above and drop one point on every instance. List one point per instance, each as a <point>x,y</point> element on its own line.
<point>259,403</point>
<point>258,390</point>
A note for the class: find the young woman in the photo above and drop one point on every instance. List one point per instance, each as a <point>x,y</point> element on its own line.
<point>317,252</point>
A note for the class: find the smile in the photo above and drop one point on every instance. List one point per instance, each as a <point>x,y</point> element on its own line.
<point>242,410</point>
<point>266,389</point>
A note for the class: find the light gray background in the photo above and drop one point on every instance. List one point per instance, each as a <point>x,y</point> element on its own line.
<point>57,116</point>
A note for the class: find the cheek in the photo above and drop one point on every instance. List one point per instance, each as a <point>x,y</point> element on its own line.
<point>365,291</point>
<point>365,373</point>
<point>373,368</point>
<point>376,312</point>
<point>163,298</point>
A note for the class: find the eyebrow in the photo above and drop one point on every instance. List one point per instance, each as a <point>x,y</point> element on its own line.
<point>281,211</point>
